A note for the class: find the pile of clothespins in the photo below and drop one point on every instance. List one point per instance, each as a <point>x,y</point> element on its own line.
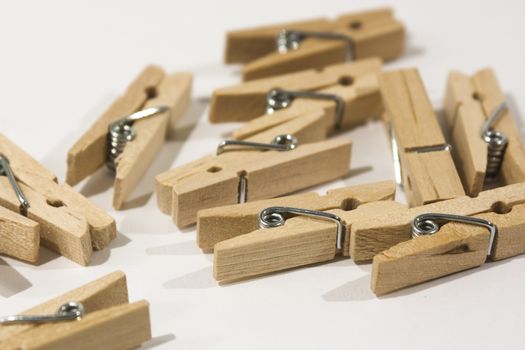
<point>304,83</point>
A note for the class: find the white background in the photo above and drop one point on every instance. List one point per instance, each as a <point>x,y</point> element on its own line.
<point>63,62</point>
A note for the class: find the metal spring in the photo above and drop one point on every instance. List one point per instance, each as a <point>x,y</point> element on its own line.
<point>5,169</point>
<point>288,40</point>
<point>69,311</point>
<point>120,132</point>
<point>285,142</point>
<point>496,143</point>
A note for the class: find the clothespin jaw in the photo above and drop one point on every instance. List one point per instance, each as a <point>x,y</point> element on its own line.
<point>130,156</point>
<point>248,175</point>
<point>423,163</point>
<point>69,223</point>
<point>455,247</point>
<point>222,223</point>
<point>19,236</point>
<point>469,102</point>
<point>108,318</point>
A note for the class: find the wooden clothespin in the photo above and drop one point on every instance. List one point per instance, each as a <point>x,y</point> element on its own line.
<point>319,231</point>
<point>423,163</point>
<point>463,242</point>
<point>290,47</point>
<point>62,219</point>
<point>125,142</point>
<point>253,171</point>
<point>97,315</point>
<point>486,141</point>
<point>347,94</point>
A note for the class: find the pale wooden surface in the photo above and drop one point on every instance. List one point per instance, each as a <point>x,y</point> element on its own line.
<point>301,241</point>
<point>374,236</point>
<point>173,91</point>
<point>455,247</point>
<point>428,176</point>
<point>19,236</point>
<point>247,100</point>
<point>109,323</point>
<point>221,223</point>
<point>213,180</point>
<point>69,223</point>
<point>374,33</point>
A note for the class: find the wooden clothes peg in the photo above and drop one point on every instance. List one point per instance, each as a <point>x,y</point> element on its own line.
<point>423,163</point>
<point>469,102</point>
<point>62,219</point>
<point>163,99</point>
<point>298,241</point>
<point>218,224</point>
<point>291,47</point>
<point>244,175</point>
<point>371,237</point>
<point>108,320</point>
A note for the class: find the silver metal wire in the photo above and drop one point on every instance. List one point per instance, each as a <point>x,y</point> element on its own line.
<point>429,224</point>
<point>5,169</point>
<point>285,142</point>
<point>277,99</point>
<point>121,131</point>
<point>276,216</point>
<point>289,39</point>
<point>496,143</point>
<point>69,311</point>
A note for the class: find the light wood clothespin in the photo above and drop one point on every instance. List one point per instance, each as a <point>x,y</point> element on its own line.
<point>97,315</point>
<point>311,230</point>
<point>62,219</point>
<point>249,173</point>
<point>462,243</point>
<point>154,96</point>
<point>422,159</point>
<point>470,101</point>
<point>290,47</point>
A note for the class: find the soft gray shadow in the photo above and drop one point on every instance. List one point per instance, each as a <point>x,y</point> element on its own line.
<point>183,248</point>
<point>518,117</point>
<point>101,256</point>
<point>356,290</point>
<point>100,181</point>
<point>46,255</point>
<point>413,50</point>
<point>358,171</point>
<point>200,279</point>
<point>12,282</point>
<point>156,341</point>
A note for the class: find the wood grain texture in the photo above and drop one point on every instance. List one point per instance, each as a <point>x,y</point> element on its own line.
<point>89,152</point>
<point>428,170</point>
<point>221,223</point>
<point>19,236</point>
<point>301,241</point>
<point>374,33</point>
<point>246,101</point>
<point>213,181</point>
<point>374,236</point>
<point>69,223</point>
<point>456,247</point>
<point>173,91</point>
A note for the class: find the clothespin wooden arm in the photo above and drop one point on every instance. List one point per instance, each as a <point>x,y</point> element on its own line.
<point>455,247</point>
<point>248,100</point>
<point>182,192</point>
<point>301,241</point>
<point>174,91</point>
<point>427,169</point>
<point>221,223</point>
<point>89,152</point>
<point>371,237</point>
<point>19,236</point>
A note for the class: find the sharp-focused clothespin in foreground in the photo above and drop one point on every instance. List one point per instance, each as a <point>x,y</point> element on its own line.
<point>422,158</point>
<point>486,141</point>
<point>62,219</point>
<point>94,316</point>
<point>130,133</point>
<point>293,231</point>
<point>371,237</point>
<point>291,47</point>
<point>249,171</point>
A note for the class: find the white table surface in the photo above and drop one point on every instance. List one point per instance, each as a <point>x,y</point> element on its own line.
<point>63,62</point>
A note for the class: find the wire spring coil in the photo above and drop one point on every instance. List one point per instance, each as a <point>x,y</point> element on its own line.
<point>496,143</point>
